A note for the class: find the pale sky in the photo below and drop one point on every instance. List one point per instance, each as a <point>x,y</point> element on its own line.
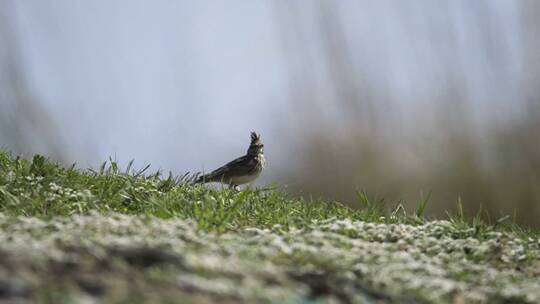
<point>180,84</point>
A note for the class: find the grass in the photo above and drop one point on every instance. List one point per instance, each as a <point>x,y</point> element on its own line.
<point>122,235</point>
<point>40,188</point>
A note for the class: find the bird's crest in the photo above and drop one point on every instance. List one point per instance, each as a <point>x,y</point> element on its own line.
<point>255,139</point>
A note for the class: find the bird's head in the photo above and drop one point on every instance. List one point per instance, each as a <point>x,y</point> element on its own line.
<point>256,147</point>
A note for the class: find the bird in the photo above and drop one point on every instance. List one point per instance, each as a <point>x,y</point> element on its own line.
<point>242,170</point>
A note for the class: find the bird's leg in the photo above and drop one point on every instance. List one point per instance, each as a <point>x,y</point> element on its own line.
<point>235,187</point>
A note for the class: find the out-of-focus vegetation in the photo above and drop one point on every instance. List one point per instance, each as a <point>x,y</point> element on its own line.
<point>24,121</point>
<point>464,129</point>
<point>351,133</point>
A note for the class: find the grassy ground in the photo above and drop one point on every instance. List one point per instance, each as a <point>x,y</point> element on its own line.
<point>112,235</point>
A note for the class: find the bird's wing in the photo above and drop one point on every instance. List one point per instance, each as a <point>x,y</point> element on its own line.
<point>239,166</point>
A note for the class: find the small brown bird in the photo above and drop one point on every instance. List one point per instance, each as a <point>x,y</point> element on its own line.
<point>241,170</point>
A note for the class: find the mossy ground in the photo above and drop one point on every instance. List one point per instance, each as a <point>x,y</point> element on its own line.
<point>111,235</point>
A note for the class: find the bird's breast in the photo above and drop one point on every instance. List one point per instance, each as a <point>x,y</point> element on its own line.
<point>261,160</point>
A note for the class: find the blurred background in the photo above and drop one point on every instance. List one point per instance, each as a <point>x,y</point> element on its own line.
<point>397,98</point>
